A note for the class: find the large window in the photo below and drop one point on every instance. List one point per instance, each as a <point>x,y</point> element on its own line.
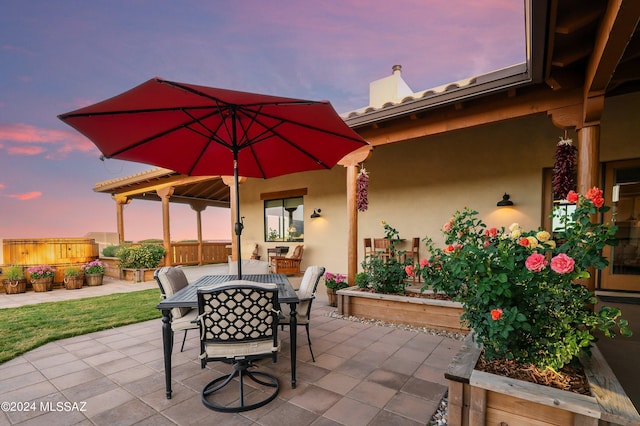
<point>284,219</point>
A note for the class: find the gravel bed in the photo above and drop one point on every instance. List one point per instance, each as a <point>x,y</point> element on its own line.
<point>440,416</point>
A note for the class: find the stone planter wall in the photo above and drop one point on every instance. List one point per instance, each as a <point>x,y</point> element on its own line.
<point>420,312</point>
<point>479,398</point>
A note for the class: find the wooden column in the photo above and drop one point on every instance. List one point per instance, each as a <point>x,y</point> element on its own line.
<point>198,207</point>
<point>588,158</point>
<point>588,174</point>
<point>352,223</point>
<point>351,162</point>
<point>120,202</point>
<point>165,194</point>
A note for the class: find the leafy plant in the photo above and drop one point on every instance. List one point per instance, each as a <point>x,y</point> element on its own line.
<point>14,273</point>
<point>71,271</point>
<point>518,289</point>
<point>335,281</point>
<point>140,257</point>
<point>41,271</point>
<point>362,280</point>
<point>110,251</point>
<point>387,274</point>
<point>93,267</point>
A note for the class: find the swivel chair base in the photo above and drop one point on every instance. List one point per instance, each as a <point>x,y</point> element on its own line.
<point>269,385</point>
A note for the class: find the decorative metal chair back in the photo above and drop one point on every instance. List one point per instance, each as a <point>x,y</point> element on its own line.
<point>238,311</point>
<point>238,322</point>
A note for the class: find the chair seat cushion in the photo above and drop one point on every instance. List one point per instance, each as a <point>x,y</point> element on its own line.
<point>231,351</point>
<point>185,321</point>
<point>286,319</point>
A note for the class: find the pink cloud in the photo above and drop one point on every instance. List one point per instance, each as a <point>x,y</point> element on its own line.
<point>25,139</point>
<point>25,150</point>
<point>2,186</point>
<point>26,196</point>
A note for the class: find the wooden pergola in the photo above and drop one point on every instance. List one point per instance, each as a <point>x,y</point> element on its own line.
<point>165,185</point>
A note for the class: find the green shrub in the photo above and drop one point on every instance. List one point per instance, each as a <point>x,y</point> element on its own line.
<point>15,272</point>
<point>362,280</point>
<point>110,251</point>
<point>71,271</point>
<point>140,257</point>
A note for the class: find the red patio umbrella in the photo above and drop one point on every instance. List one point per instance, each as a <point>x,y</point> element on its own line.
<point>204,131</point>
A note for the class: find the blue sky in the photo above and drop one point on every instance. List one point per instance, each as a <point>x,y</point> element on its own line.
<point>57,56</point>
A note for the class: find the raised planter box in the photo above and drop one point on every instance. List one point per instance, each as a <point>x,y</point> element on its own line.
<point>479,398</point>
<point>416,311</point>
<point>137,275</point>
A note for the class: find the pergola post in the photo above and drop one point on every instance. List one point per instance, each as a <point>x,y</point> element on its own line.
<point>198,207</point>
<point>120,202</point>
<point>164,194</point>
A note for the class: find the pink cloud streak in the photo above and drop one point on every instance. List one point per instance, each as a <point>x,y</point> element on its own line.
<point>26,196</point>
<point>25,139</point>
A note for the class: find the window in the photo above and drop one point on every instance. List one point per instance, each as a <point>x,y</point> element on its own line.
<point>284,219</point>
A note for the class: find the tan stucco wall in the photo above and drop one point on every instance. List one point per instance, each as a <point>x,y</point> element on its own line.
<point>415,186</point>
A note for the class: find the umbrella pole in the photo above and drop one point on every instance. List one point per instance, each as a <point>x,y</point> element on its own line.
<point>238,226</point>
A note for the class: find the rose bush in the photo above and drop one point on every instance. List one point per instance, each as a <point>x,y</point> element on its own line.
<point>518,288</point>
<point>387,274</point>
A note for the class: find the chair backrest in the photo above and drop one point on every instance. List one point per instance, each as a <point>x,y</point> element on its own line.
<point>238,311</point>
<point>249,266</point>
<point>297,252</point>
<point>308,287</point>
<point>368,247</point>
<point>381,244</point>
<point>171,279</point>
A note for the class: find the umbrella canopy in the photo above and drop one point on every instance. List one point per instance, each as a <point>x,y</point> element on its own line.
<point>204,131</point>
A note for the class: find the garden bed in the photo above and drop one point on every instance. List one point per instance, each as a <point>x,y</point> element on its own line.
<point>429,312</point>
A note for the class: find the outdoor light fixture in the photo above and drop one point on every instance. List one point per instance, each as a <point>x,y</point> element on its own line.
<point>316,213</point>
<point>505,201</point>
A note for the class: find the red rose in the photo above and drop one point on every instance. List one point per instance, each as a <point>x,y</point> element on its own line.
<point>572,197</point>
<point>496,314</point>
<point>524,242</point>
<point>598,201</point>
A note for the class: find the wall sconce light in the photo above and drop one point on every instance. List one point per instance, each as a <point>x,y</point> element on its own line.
<point>316,213</point>
<point>505,201</point>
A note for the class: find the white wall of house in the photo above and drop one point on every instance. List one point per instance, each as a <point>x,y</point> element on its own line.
<point>415,186</point>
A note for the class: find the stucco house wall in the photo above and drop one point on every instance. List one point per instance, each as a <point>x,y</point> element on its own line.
<point>416,185</point>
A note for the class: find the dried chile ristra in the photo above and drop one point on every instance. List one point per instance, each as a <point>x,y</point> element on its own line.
<point>362,190</point>
<point>564,169</point>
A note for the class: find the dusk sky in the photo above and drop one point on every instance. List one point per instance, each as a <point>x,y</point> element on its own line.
<point>57,56</point>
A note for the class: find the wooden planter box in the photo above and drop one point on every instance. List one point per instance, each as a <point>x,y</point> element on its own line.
<point>479,398</point>
<point>138,275</point>
<point>416,311</point>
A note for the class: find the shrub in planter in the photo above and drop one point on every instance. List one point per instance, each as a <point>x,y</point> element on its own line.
<point>73,278</point>
<point>387,274</point>
<point>518,288</point>
<point>110,251</point>
<point>146,256</point>
<point>362,280</point>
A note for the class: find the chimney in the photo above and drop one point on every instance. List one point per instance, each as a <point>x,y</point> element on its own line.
<point>389,89</point>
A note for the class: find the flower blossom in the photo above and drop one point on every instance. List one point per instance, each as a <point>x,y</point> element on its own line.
<point>562,264</point>
<point>515,226</point>
<point>595,195</point>
<point>524,242</point>
<point>515,234</point>
<point>424,262</point>
<point>491,232</point>
<point>449,249</point>
<point>533,242</point>
<point>572,197</point>
<point>536,262</point>
<point>496,314</point>
<point>409,270</point>
<point>543,236</point>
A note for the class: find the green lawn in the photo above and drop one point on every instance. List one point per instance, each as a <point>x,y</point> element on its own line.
<point>28,327</point>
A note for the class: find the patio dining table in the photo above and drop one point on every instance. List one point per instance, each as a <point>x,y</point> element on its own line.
<point>188,298</point>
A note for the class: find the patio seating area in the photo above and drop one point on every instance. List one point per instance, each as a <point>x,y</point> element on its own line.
<point>364,374</point>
